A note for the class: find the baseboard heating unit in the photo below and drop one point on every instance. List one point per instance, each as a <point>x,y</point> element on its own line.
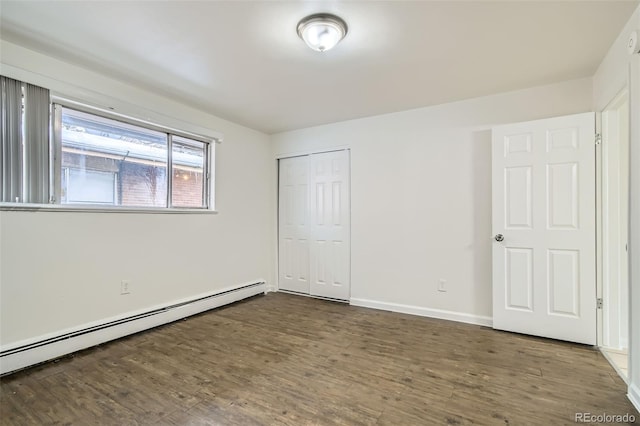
<point>27,353</point>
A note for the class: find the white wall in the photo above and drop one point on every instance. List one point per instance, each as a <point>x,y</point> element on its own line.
<point>616,71</point>
<point>421,194</point>
<point>63,270</point>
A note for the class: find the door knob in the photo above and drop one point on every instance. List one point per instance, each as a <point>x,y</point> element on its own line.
<point>499,237</point>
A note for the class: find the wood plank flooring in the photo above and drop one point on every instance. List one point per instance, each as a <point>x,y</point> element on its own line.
<point>291,360</point>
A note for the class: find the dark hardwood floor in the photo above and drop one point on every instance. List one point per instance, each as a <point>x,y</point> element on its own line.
<point>283,359</point>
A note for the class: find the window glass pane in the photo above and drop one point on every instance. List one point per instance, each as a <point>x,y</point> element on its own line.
<point>188,165</point>
<point>99,152</point>
<point>89,186</point>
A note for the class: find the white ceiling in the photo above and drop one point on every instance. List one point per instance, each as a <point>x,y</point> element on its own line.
<point>242,60</point>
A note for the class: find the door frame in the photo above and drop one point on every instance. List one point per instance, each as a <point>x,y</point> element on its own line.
<point>601,221</point>
<point>302,153</point>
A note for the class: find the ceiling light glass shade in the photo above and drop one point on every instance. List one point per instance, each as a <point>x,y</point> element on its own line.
<point>322,31</point>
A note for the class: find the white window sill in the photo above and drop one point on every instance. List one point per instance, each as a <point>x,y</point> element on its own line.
<point>98,209</point>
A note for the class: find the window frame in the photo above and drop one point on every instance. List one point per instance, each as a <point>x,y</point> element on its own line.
<point>55,178</point>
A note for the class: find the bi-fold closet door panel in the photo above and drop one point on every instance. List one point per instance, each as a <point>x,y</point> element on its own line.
<point>293,226</point>
<point>330,227</point>
<point>324,226</point>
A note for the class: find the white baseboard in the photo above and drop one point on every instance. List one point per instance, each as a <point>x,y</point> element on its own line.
<point>24,354</point>
<point>634,395</point>
<point>425,312</point>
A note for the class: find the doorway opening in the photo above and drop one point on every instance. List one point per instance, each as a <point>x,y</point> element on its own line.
<point>614,211</point>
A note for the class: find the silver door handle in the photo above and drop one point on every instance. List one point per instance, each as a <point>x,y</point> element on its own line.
<point>499,237</point>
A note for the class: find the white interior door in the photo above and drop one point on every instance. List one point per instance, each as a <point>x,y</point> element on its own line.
<point>544,228</point>
<point>330,227</point>
<point>293,225</point>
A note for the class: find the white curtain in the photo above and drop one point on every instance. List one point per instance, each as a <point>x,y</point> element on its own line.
<point>24,158</point>
<point>11,140</point>
<point>36,144</point>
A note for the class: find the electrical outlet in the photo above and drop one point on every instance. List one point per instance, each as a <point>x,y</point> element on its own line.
<point>442,285</point>
<point>125,287</point>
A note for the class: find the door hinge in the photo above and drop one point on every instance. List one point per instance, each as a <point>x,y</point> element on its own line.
<point>599,302</point>
<point>598,139</point>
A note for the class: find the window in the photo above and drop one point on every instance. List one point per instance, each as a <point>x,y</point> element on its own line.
<point>96,149</point>
<point>107,161</point>
<point>96,158</point>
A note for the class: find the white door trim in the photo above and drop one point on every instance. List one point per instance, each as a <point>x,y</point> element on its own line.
<point>311,152</point>
<point>612,333</point>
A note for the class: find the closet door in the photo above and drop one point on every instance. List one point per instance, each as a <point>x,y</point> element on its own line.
<point>330,224</point>
<point>293,226</point>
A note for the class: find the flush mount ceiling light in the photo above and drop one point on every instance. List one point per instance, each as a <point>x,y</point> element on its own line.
<point>322,31</point>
